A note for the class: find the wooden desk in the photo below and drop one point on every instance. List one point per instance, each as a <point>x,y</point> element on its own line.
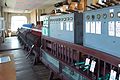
<point>7,70</point>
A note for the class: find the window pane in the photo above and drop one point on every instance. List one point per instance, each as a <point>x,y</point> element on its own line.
<point>17,22</point>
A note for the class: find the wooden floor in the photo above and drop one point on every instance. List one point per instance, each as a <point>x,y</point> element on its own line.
<point>24,69</point>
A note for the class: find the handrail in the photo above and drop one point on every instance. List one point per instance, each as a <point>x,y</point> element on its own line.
<point>68,54</point>
<point>72,67</point>
<point>98,54</point>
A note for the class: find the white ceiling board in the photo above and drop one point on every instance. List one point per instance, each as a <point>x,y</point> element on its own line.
<point>16,11</point>
<point>1,2</point>
<point>31,4</point>
<point>10,3</point>
<point>22,5</point>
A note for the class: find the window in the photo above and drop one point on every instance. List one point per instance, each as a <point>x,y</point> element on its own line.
<point>17,22</point>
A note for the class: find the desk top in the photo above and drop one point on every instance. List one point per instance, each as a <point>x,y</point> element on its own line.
<point>7,69</point>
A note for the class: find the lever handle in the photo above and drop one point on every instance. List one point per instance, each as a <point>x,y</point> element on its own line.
<point>106,77</point>
<point>79,63</point>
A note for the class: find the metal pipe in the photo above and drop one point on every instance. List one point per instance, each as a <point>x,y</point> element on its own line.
<point>91,7</point>
<point>103,6</point>
<point>95,6</point>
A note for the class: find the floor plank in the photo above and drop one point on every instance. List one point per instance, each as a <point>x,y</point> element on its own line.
<point>25,70</point>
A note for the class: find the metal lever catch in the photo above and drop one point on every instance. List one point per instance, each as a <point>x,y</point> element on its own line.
<point>82,65</point>
<point>106,77</point>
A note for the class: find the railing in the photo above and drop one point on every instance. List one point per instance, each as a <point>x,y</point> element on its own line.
<point>31,40</point>
<point>74,56</point>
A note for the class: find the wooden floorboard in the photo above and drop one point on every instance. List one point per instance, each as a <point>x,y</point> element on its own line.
<point>24,69</point>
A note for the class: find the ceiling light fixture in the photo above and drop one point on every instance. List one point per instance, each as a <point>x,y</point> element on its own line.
<point>5,4</point>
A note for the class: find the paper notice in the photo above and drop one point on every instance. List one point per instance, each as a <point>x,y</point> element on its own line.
<point>71,26</point>
<point>61,25</point>
<point>5,59</point>
<point>87,61</point>
<point>87,27</point>
<point>98,27</point>
<point>67,26</point>
<point>92,67</point>
<point>111,29</point>
<point>117,28</point>
<point>113,75</point>
<point>92,27</point>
